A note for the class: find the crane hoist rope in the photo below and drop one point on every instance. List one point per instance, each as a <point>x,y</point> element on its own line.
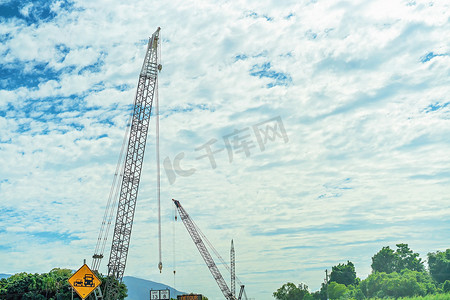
<point>174,219</point>
<point>158,160</point>
<point>111,204</point>
<point>158,175</point>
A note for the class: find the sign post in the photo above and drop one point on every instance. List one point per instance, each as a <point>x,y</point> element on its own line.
<point>84,281</point>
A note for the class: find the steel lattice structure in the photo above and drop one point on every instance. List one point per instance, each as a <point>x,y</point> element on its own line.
<point>233,270</point>
<point>134,158</point>
<point>191,228</point>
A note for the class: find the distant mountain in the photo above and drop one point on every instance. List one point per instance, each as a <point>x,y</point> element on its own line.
<point>4,275</point>
<point>139,289</point>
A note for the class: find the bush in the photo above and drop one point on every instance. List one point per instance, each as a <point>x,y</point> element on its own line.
<point>337,290</point>
<point>446,286</point>
<point>404,284</point>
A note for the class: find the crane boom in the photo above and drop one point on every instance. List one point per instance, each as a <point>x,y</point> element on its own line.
<point>131,172</point>
<point>191,228</point>
<point>134,159</point>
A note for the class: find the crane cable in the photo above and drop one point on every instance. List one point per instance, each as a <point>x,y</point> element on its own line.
<point>174,219</point>
<point>158,171</point>
<point>111,204</point>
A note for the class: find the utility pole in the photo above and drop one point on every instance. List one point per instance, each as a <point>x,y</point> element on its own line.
<point>327,277</point>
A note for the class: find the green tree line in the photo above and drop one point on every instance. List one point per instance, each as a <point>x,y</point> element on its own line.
<point>52,286</point>
<point>395,274</point>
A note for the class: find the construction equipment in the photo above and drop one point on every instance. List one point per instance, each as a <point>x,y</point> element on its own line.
<point>196,236</point>
<point>233,269</point>
<point>130,173</point>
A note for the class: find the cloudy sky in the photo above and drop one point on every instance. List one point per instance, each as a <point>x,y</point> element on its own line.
<point>327,125</point>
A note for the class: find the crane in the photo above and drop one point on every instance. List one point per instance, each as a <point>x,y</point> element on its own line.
<point>196,236</point>
<point>130,173</point>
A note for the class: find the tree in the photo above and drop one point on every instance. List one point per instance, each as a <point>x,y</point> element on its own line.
<point>343,274</point>
<point>336,290</point>
<point>320,294</point>
<point>407,259</point>
<point>122,288</point>
<point>384,260</point>
<point>388,261</point>
<point>358,294</point>
<point>404,284</point>
<point>439,265</point>
<point>289,291</point>
<point>446,286</point>
<point>52,285</point>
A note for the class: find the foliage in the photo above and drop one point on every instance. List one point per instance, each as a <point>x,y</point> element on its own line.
<point>343,274</point>
<point>384,260</point>
<point>52,285</point>
<point>337,290</point>
<point>388,261</point>
<point>407,259</point>
<point>358,294</point>
<point>446,286</point>
<point>404,284</point>
<point>289,291</point>
<point>122,288</point>
<point>396,274</point>
<point>320,294</point>
<point>427,297</point>
<point>439,265</point>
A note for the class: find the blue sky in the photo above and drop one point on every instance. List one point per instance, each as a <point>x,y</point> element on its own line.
<point>353,95</point>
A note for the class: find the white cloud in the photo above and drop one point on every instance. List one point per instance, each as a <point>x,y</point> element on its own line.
<point>25,10</point>
<point>367,120</point>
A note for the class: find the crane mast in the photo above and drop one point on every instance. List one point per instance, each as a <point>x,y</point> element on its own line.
<point>191,228</point>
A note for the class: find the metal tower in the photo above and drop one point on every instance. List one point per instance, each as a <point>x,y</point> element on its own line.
<point>233,270</point>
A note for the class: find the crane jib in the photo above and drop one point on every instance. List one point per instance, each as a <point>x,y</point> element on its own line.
<point>131,172</point>
<point>193,232</point>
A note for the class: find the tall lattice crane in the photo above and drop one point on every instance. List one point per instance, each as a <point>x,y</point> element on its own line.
<point>196,236</point>
<point>131,171</point>
<point>134,159</point>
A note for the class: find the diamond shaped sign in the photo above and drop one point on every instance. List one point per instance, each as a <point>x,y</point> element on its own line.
<point>84,281</point>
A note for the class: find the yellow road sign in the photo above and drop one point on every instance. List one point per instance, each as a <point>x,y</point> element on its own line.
<point>84,281</point>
